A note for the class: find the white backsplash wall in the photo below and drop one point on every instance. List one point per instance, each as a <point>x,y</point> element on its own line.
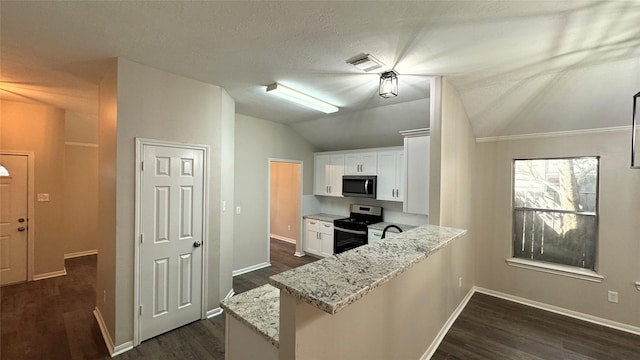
<point>310,205</point>
<point>392,210</point>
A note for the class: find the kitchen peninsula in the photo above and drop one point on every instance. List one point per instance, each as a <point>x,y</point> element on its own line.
<point>374,302</point>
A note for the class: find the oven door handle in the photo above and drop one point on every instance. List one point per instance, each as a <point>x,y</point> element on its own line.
<point>350,231</point>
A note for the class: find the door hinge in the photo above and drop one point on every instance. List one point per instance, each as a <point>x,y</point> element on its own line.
<point>140,310</point>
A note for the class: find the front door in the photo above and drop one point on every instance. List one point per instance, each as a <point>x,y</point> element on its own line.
<point>171,215</point>
<point>13,219</point>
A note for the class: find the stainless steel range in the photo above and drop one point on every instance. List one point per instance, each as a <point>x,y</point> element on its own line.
<point>352,232</point>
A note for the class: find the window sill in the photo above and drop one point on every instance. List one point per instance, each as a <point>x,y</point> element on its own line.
<point>556,269</point>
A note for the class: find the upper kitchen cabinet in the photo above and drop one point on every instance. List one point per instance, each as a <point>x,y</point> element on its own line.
<point>391,175</point>
<point>416,151</point>
<point>361,163</point>
<point>328,174</point>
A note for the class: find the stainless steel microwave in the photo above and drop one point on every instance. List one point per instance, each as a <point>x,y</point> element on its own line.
<point>359,186</point>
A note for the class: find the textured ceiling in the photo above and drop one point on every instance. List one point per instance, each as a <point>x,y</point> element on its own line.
<point>519,66</point>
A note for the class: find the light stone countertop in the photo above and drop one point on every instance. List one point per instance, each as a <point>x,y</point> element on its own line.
<point>325,217</point>
<point>259,309</point>
<point>381,225</point>
<point>337,281</point>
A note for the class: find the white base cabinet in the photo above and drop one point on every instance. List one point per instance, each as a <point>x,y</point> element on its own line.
<point>318,239</point>
<point>374,235</point>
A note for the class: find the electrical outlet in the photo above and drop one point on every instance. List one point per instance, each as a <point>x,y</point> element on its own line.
<point>612,297</point>
<point>460,282</point>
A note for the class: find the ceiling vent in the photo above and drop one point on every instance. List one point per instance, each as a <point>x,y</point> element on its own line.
<point>365,62</point>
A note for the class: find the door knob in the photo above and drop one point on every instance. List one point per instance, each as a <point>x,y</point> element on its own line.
<point>22,228</point>
<point>197,244</point>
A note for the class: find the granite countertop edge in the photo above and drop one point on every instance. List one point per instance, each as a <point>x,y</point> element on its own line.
<point>230,307</point>
<point>325,217</point>
<point>334,307</point>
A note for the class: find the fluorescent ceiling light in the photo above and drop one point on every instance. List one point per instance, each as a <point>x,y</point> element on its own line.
<point>300,98</point>
<point>365,62</point>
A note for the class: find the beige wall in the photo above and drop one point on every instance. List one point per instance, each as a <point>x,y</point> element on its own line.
<point>40,129</point>
<point>257,141</point>
<point>81,182</point>
<point>618,245</point>
<point>455,144</point>
<point>153,104</point>
<point>106,267</point>
<point>285,200</point>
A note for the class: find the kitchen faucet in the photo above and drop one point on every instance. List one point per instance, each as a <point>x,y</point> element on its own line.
<point>387,227</point>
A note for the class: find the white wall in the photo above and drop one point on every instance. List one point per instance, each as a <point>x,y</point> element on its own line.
<point>618,245</point>
<point>158,105</point>
<point>368,128</point>
<point>258,140</point>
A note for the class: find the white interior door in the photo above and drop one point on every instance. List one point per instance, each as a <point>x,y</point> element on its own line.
<point>172,198</point>
<point>13,219</point>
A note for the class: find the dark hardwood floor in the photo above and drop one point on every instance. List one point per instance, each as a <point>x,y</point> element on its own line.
<point>490,328</point>
<point>52,319</point>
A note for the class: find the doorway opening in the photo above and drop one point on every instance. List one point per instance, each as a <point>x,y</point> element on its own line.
<point>285,206</point>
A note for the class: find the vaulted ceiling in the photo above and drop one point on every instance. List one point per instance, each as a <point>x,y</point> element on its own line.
<point>519,66</point>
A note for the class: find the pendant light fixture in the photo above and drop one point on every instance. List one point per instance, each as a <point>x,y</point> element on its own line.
<point>388,84</point>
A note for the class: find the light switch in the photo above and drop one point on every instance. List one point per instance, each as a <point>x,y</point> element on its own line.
<point>224,205</point>
<point>238,210</point>
<point>43,197</point>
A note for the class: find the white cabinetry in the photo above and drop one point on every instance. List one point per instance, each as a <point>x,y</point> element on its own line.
<point>360,163</point>
<point>328,174</point>
<point>416,150</point>
<point>374,235</point>
<point>318,239</point>
<point>390,175</point>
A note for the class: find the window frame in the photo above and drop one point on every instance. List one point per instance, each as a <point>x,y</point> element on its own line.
<point>550,267</point>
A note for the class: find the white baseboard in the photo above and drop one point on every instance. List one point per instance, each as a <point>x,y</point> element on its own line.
<point>113,350</point>
<point>80,253</point>
<point>215,312</point>
<point>562,311</point>
<point>447,325</point>
<point>103,330</point>
<point>250,268</point>
<point>49,275</point>
<point>230,294</point>
<point>283,238</point>
<point>122,348</point>
<point>299,254</point>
